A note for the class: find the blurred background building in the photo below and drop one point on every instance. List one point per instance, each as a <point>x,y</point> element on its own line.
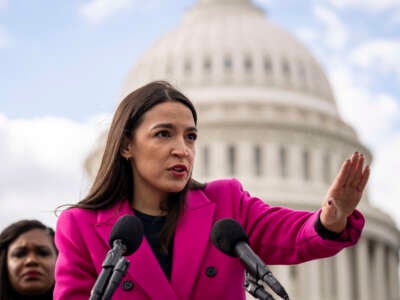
<point>268,116</point>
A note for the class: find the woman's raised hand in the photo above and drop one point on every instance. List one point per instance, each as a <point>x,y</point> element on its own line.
<point>345,193</point>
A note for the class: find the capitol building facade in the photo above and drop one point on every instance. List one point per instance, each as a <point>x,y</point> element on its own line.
<point>268,116</point>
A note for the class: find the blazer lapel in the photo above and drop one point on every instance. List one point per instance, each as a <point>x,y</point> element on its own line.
<point>190,243</point>
<point>146,271</point>
<point>107,218</point>
<point>144,268</point>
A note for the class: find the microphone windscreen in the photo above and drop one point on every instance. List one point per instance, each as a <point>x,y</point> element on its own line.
<point>129,229</point>
<point>226,233</point>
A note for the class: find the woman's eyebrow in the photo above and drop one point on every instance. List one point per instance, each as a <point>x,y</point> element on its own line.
<point>192,128</point>
<point>172,126</point>
<point>19,248</point>
<point>163,125</point>
<point>42,247</point>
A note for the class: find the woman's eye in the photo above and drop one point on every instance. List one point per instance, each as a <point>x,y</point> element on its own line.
<point>19,253</point>
<point>192,136</point>
<point>43,252</point>
<point>163,133</point>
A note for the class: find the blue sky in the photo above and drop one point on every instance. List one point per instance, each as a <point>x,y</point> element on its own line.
<point>63,63</point>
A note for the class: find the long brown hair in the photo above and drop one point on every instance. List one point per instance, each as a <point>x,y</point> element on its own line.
<point>114,181</point>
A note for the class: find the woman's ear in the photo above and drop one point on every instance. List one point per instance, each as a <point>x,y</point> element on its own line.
<point>125,149</point>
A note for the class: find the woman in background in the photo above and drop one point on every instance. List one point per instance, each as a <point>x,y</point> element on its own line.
<point>146,170</point>
<point>27,259</point>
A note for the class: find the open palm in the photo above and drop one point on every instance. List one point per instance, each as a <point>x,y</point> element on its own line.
<point>345,192</point>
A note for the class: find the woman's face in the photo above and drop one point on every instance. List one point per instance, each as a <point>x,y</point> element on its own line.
<point>162,149</point>
<point>30,263</point>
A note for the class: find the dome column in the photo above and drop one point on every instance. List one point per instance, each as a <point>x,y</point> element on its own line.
<point>343,275</point>
<point>272,161</point>
<point>363,270</point>
<point>296,168</point>
<point>245,158</point>
<point>265,167</point>
<point>202,161</point>
<point>326,274</point>
<point>316,166</point>
<point>332,278</point>
<point>303,283</point>
<point>313,280</point>
<point>337,161</point>
<point>309,280</point>
<point>378,271</point>
<point>393,259</point>
<point>218,159</point>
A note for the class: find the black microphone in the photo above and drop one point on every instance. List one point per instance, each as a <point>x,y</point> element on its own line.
<point>125,238</point>
<point>229,237</point>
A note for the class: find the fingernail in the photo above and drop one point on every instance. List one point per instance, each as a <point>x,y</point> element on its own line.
<point>330,202</point>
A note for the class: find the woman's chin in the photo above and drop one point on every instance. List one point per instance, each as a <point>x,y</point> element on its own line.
<point>175,188</point>
<point>34,289</point>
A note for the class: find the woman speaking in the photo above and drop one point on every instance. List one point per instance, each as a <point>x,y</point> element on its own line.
<point>146,170</point>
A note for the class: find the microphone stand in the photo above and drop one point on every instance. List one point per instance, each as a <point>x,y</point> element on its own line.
<point>255,289</point>
<point>109,262</point>
<point>119,271</point>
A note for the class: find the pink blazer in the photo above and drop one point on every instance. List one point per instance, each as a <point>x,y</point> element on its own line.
<point>199,270</point>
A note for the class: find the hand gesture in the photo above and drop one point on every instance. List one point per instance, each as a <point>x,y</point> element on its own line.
<point>345,193</point>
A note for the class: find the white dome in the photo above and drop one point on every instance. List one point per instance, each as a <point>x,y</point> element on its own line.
<point>222,45</point>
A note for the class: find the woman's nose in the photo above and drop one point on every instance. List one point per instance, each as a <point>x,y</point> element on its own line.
<point>31,259</point>
<point>180,148</point>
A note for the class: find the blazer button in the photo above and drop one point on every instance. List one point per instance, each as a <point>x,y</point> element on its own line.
<point>211,271</point>
<point>127,285</point>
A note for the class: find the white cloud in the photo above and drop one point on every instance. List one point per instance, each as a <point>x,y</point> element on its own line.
<point>336,34</point>
<point>308,35</point>
<point>375,117</point>
<point>395,18</point>
<point>5,38</point>
<point>359,106</point>
<point>97,11</point>
<point>42,165</point>
<point>378,55</point>
<point>386,188</point>
<point>372,6</point>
